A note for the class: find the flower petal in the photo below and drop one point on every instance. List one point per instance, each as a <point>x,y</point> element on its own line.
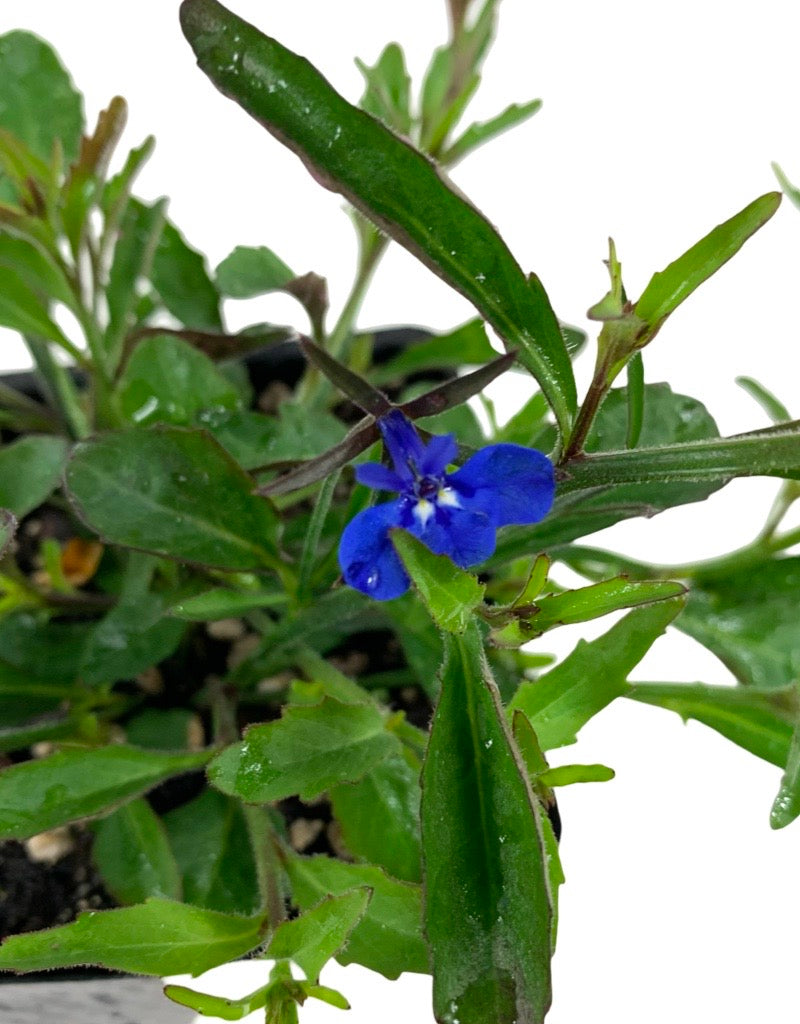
<point>439,452</point>
<point>508,482</point>
<point>465,535</point>
<point>402,441</point>
<point>367,557</point>
<point>379,477</point>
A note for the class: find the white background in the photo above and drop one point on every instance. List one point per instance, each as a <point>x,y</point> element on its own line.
<point>659,121</point>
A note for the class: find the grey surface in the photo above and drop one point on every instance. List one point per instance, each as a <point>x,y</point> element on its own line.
<point>103,1001</point>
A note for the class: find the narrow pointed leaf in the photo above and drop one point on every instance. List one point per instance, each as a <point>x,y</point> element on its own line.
<point>318,934</point>
<point>773,452</point>
<point>217,1006</point>
<point>487,901</point>
<point>671,286</point>
<point>79,783</point>
<point>755,720</point>
<point>563,700</point>
<point>307,751</point>
<point>140,231</point>
<point>583,605</point>
<point>569,774</point>
<point>535,764</point>
<point>86,176</point>
<point>22,309</point>
<point>483,131</point>
<point>358,390</point>
<point>792,191</point>
<point>391,183</point>
<point>158,937</point>
<point>771,405</point>
<point>158,489</point>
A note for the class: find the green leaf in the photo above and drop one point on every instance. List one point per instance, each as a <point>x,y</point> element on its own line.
<point>159,489</point>
<point>45,652</point>
<point>84,182</point>
<point>774,408</point>
<point>379,817</point>
<point>250,271</point>
<point>279,996</point>
<point>755,720</point>
<point>450,594</point>
<point>487,902</point>
<point>466,345</point>
<point>388,92</point>
<point>211,844</point>
<point>669,419</point>
<point>305,752</point>
<point>179,275</point>
<point>582,605</point>
<point>786,806</point>
<point>166,380</point>
<point>37,268</point>
<point>313,938</point>
<point>140,230</point>
<point>81,783</point>
<point>22,309</point>
<point>30,470</point>
<point>671,286</point>
<point>224,603</point>
<point>563,700</point>
<point>525,424</point>
<point>535,765</point>
<point>748,618</point>
<point>787,187</point>
<point>388,939</point>
<point>158,937</point>
<point>569,774</point>
<point>484,131</point>
<point>301,435</point>
<point>161,728</point>
<point>132,852</point>
<point>391,183</point>
<point>771,452</point>
<point>38,101</point>
<point>135,634</point>
<point>420,640</point>
<point>8,527</point>
<point>248,436</point>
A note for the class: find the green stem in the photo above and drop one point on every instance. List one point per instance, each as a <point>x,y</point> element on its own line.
<point>314,384</point>
<point>268,870</point>
<point>63,391</point>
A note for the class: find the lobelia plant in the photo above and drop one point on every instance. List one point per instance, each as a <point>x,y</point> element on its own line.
<point>196,584</point>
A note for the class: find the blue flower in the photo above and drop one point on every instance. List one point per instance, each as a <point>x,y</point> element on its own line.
<point>454,514</point>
